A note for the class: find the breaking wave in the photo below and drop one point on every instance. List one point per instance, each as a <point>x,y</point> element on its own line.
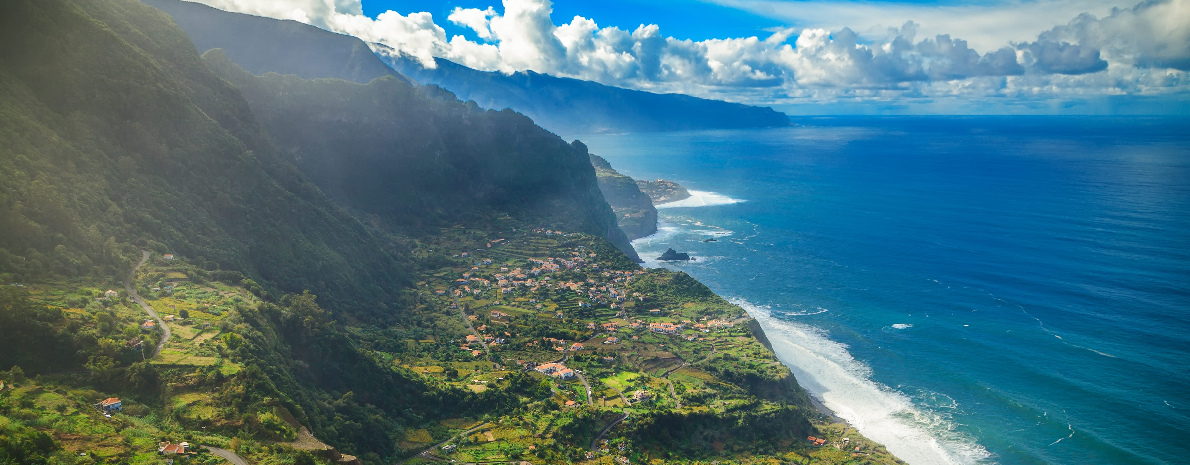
<point>701,199</point>
<point>843,384</point>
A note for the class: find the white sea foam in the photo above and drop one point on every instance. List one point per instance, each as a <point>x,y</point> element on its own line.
<point>902,326</point>
<point>701,199</point>
<point>828,371</point>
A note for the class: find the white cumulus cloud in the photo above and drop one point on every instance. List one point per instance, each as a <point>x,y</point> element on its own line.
<point>1142,49</point>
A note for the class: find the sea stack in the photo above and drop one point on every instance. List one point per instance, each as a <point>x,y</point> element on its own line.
<point>673,255</point>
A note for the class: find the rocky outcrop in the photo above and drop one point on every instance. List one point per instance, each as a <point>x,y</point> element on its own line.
<point>662,191</point>
<point>672,255</point>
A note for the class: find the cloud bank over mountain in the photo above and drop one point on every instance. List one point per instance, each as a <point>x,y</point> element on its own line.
<point>1142,50</point>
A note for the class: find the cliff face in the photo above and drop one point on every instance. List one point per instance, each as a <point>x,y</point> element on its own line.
<point>634,211</point>
<point>419,161</point>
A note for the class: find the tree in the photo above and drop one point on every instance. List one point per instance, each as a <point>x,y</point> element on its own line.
<point>184,313</point>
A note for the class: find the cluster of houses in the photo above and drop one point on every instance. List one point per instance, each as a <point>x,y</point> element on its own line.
<point>666,328</point>
<point>555,370</point>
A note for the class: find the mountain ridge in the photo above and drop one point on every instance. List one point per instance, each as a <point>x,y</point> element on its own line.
<point>576,106</point>
<point>562,105</point>
<point>263,45</point>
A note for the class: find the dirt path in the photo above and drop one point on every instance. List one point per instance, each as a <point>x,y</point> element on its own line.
<point>229,455</point>
<point>467,321</point>
<point>139,301</point>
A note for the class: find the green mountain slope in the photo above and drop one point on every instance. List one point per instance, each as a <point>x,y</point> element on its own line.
<point>117,137</point>
<point>419,163</point>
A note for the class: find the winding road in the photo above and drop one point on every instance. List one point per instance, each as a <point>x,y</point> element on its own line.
<point>139,301</point>
<point>595,442</point>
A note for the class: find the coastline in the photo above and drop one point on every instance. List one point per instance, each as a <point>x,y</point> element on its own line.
<point>815,399</point>
<point>831,376</point>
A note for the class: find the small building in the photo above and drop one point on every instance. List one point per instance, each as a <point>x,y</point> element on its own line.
<point>570,403</point>
<point>449,448</point>
<point>564,373</point>
<point>655,311</point>
<point>111,404</point>
<point>148,325</point>
<point>612,340</point>
<point>165,448</point>
<point>110,294</point>
<point>168,256</point>
<point>641,395</point>
<point>170,318</point>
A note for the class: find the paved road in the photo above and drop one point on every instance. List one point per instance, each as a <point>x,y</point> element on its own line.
<point>586,385</point>
<point>139,301</point>
<point>229,455</point>
<point>595,442</point>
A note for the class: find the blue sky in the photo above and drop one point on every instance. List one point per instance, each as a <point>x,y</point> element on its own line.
<point>681,19</point>
<point>805,56</point>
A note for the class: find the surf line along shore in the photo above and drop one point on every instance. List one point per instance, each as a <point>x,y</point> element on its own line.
<point>827,372</point>
<point>837,388</point>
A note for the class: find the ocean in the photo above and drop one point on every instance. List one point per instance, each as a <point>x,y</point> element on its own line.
<point>1004,290</point>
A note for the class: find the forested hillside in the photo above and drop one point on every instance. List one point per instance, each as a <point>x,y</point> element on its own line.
<point>118,137</point>
<point>422,160</point>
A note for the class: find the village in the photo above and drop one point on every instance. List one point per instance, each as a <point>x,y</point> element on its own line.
<point>602,343</point>
<point>565,308</point>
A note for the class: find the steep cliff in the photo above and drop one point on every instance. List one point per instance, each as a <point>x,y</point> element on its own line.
<point>418,162</point>
<point>634,211</point>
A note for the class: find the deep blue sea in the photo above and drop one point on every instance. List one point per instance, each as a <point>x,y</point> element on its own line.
<point>965,290</point>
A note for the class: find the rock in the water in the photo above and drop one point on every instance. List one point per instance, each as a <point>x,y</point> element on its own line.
<point>673,255</point>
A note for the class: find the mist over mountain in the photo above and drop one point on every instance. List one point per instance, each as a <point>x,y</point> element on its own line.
<point>567,106</point>
<point>265,45</point>
<point>424,160</point>
<point>575,106</point>
<point>117,137</point>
